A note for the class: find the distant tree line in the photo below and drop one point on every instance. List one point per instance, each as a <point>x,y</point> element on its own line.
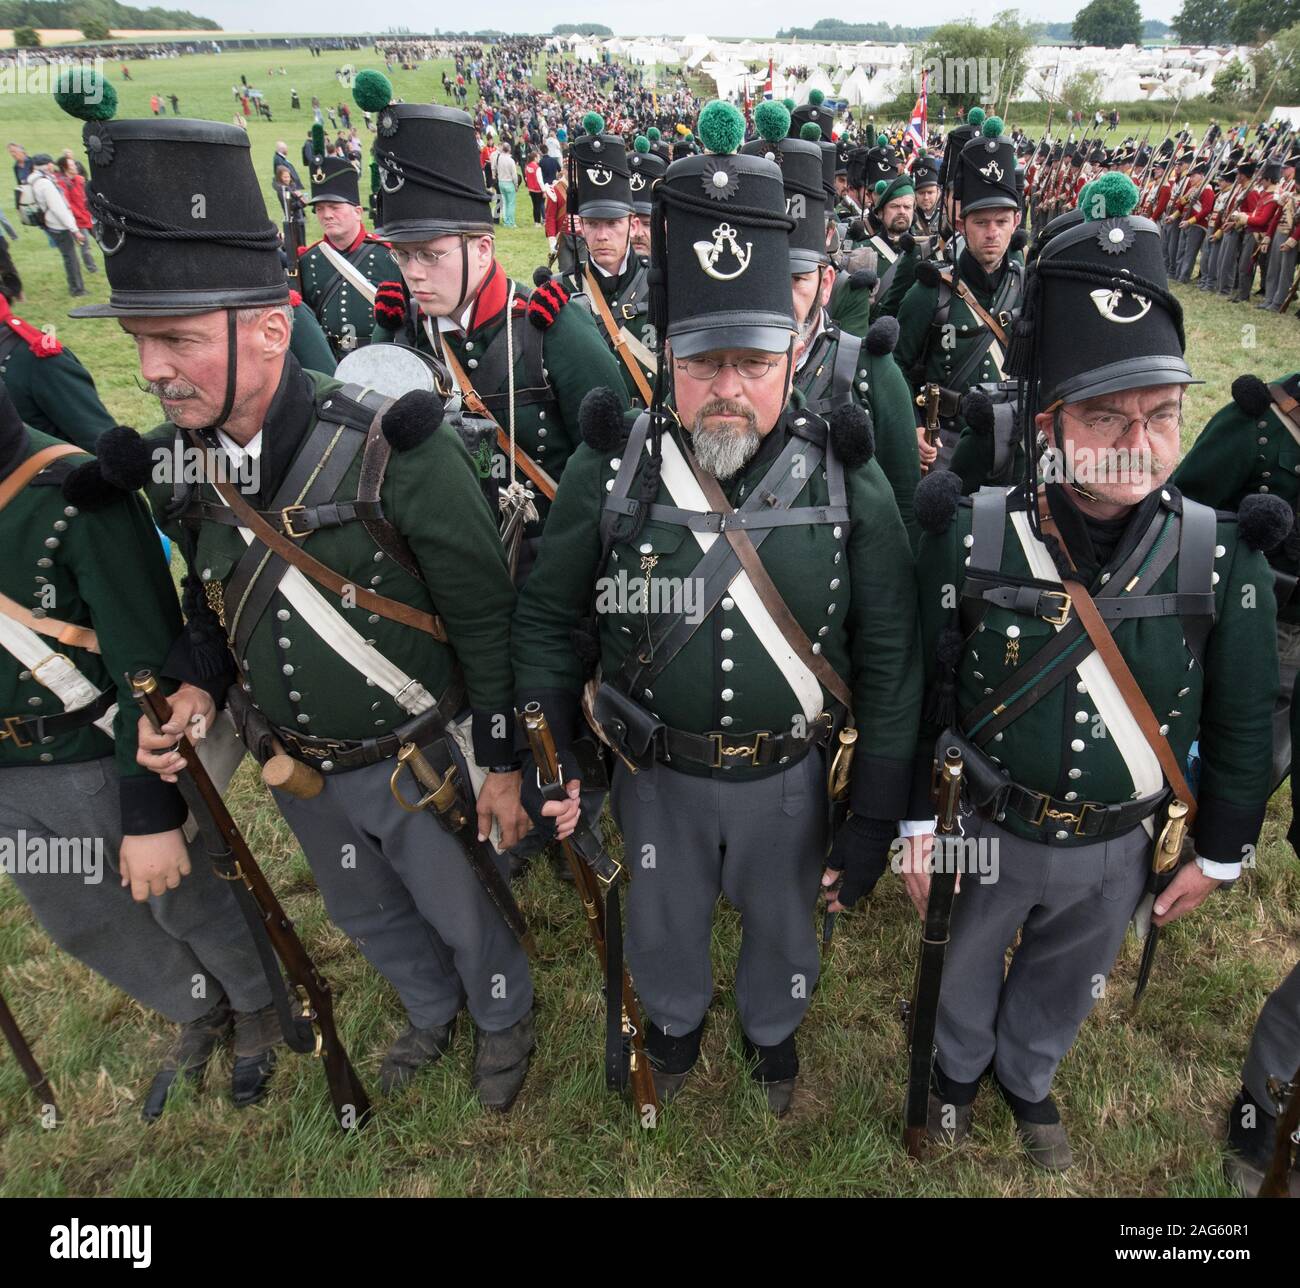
<point>108,14</point>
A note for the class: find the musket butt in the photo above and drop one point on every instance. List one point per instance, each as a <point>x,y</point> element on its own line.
<point>914,1142</point>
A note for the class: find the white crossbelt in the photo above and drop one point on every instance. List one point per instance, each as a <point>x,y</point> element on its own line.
<point>687,494</point>
<point>639,351</point>
<point>348,271</point>
<point>53,671</point>
<point>885,249</point>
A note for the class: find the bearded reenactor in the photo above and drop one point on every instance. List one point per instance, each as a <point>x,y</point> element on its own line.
<point>337,595</point>
<point>721,722</point>
<point>52,391</point>
<point>340,272</point>
<point>85,599</point>
<point>832,367</point>
<point>600,261</point>
<point>645,168</point>
<point>953,321</point>
<point>1075,717</point>
<point>529,356</point>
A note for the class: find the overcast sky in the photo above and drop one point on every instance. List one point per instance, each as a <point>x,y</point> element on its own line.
<point>626,17</point>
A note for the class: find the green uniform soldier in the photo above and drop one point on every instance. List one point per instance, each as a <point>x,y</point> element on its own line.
<point>85,599</point>
<point>339,273</point>
<point>1069,753</point>
<point>646,167</point>
<point>601,256</point>
<point>728,716</point>
<point>953,321</point>
<point>458,305</point>
<point>347,593</point>
<point>309,344</point>
<point>51,389</point>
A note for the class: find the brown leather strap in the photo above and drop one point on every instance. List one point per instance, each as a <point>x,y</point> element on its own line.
<point>615,333</point>
<point>327,577</point>
<point>23,474</point>
<point>374,462</point>
<point>1104,642</point>
<point>964,293</point>
<point>785,620</point>
<point>64,632</point>
<point>1285,404</point>
<point>544,482</point>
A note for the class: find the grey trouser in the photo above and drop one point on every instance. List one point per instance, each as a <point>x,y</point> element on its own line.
<point>1210,264</point>
<point>401,888</point>
<point>1193,236</point>
<point>1072,907</point>
<point>175,954</point>
<point>1288,658</point>
<point>1246,257</point>
<point>1229,250</point>
<point>1172,241</point>
<point>760,843</point>
<point>67,246</point>
<point>1281,271</point>
<point>1275,1044</point>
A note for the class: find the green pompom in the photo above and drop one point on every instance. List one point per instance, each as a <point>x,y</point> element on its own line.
<point>372,91</point>
<point>881,185</point>
<point>811,131</point>
<point>816,98</point>
<point>85,95</point>
<point>1110,196</point>
<point>593,123</point>
<point>789,104</point>
<point>653,134</point>
<point>688,137</point>
<point>318,139</point>
<point>992,127</point>
<point>640,144</point>
<point>975,117</point>
<point>721,127</point>
<point>772,120</point>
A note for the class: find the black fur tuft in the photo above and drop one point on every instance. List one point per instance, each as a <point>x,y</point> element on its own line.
<point>906,242</point>
<point>927,273</point>
<point>935,500</point>
<point>977,411</point>
<point>541,274</point>
<point>1264,521</point>
<point>601,419</point>
<point>412,419</point>
<point>949,647</point>
<point>1250,393</point>
<point>87,489</point>
<point>862,279</point>
<point>851,435</point>
<point>1019,240</point>
<point>882,336</point>
<point>858,230</point>
<point>125,459</point>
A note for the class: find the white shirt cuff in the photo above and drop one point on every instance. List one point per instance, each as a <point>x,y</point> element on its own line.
<point>1219,871</point>
<point>915,827</point>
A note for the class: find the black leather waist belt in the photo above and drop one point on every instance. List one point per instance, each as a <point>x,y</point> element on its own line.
<point>28,730</point>
<point>293,520</point>
<point>1079,820</point>
<point>332,755</point>
<point>729,750</point>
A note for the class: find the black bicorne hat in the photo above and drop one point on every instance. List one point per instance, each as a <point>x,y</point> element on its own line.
<point>335,179</point>
<point>181,218</point>
<point>644,167</point>
<point>600,169</point>
<point>805,197</point>
<point>986,175</point>
<point>720,238</point>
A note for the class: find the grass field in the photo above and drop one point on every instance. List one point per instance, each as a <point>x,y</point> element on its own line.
<point>1144,1095</point>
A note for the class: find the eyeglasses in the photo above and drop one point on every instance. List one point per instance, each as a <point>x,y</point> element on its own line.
<point>1112,425</point>
<point>709,368</point>
<point>425,258</point>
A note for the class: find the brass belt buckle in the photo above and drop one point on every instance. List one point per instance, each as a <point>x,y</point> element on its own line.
<point>743,750</point>
<point>1064,816</point>
<point>286,521</point>
<point>628,311</point>
<point>11,730</point>
<point>1063,613</point>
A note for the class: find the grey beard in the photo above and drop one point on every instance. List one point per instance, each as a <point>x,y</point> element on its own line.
<point>726,453</point>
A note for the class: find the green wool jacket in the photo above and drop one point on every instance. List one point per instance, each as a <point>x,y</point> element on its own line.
<point>878,387</point>
<point>345,315</point>
<point>624,295</point>
<point>574,357</point>
<point>101,568</point>
<point>850,306</point>
<point>1059,745</point>
<point>50,388</point>
<point>849,585</point>
<point>309,344</point>
<point>430,493</point>
<point>1238,453</point>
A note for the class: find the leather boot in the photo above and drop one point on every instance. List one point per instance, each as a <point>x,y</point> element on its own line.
<point>188,1057</point>
<point>671,1059</point>
<point>411,1052</point>
<point>1041,1131</point>
<point>776,1070</point>
<point>257,1034</point>
<point>1250,1148</point>
<point>947,1123</point>
<point>501,1063</point>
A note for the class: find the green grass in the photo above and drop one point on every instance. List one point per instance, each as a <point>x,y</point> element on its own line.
<point>1144,1096</point>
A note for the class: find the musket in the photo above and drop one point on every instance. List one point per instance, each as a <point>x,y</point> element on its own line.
<point>292,241</point>
<point>1164,864</point>
<point>313,1030</point>
<point>443,795</point>
<point>1285,1156</point>
<point>839,778</point>
<point>596,877</point>
<point>928,398</point>
<point>922,1014</point>
<point>36,1079</point>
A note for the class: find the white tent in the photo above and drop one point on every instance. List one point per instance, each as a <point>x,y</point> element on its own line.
<point>818,80</point>
<point>856,90</point>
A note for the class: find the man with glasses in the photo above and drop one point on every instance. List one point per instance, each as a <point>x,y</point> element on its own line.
<point>1075,717</point>
<point>738,568</point>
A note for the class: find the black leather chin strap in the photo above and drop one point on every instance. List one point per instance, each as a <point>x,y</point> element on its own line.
<point>232,367</point>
